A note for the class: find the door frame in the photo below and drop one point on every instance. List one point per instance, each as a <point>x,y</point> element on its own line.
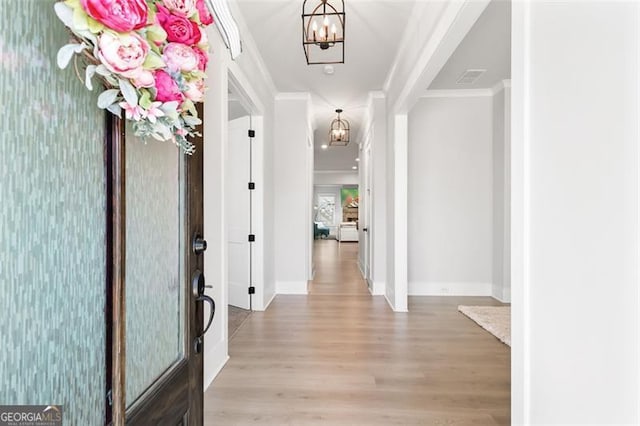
<point>178,393</point>
<point>242,124</point>
<point>215,131</point>
<point>242,88</point>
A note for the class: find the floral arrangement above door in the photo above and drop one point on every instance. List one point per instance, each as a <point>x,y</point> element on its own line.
<point>150,55</point>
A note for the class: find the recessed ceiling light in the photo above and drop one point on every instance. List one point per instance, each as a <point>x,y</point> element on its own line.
<point>328,69</point>
<point>324,146</point>
<point>355,167</point>
<point>357,159</point>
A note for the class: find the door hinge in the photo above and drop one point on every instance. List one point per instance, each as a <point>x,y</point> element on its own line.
<point>252,238</point>
<point>252,186</point>
<point>252,290</point>
<point>252,133</point>
<point>110,398</point>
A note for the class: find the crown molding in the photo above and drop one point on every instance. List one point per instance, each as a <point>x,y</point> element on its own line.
<point>468,93</point>
<point>501,85</point>
<point>334,172</point>
<point>457,93</point>
<point>450,23</point>
<point>293,96</point>
<point>355,172</point>
<point>378,94</point>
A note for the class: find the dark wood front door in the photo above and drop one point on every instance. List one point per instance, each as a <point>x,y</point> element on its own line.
<point>157,282</point>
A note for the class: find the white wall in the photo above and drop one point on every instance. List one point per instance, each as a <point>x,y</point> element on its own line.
<point>432,34</point>
<point>321,177</point>
<point>248,72</point>
<point>575,292</point>
<point>293,175</point>
<point>389,184</point>
<point>501,283</point>
<point>363,222</point>
<point>375,138</point>
<point>450,196</point>
<point>215,119</point>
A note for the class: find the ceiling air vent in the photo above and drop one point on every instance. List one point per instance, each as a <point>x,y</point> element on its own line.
<point>470,76</point>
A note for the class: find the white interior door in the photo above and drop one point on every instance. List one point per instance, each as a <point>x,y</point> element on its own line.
<point>238,212</point>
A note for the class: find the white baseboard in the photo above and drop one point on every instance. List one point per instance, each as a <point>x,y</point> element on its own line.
<point>214,360</point>
<point>504,296</point>
<point>291,287</point>
<point>376,288</point>
<point>273,296</point>
<point>361,268</point>
<point>259,305</point>
<point>450,289</point>
<point>394,308</point>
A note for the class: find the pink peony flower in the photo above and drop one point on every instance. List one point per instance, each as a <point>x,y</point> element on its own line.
<point>180,57</point>
<point>203,13</point>
<point>179,29</point>
<point>144,79</point>
<point>119,15</point>
<point>184,8</point>
<point>167,89</point>
<point>123,54</point>
<point>203,58</point>
<point>195,91</point>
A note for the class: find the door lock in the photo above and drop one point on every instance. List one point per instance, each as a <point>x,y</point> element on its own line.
<point>199,244</point>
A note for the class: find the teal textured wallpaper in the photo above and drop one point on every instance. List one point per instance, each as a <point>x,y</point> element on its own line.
<point>52,222</point>
<point>154,294</point>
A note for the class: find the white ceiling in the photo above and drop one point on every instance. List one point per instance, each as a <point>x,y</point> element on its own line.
<point>486,46</point>
<point>374,29</point>
<point>373,32</point>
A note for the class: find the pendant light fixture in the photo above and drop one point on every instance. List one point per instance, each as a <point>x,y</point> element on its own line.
<point>323,31</point>
<point>339,131</point>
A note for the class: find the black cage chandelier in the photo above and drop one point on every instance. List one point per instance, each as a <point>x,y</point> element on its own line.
<point>339,131</point>
<point>323,31</point>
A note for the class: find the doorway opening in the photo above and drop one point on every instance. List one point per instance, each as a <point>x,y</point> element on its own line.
<point>239,202</point>
<point>337,219</point>
<point>336,242</point>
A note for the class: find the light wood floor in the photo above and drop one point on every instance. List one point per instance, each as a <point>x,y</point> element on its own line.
<point>341,357</point>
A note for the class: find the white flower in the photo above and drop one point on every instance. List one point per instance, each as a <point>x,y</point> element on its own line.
<point>153,112</point>
<point>133,112</point>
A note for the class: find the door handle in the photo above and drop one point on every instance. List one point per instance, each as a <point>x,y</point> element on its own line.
<point>198,286</point>
<point>212,312</point>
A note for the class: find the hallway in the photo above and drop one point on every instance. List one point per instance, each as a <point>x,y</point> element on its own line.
<point>340,356</point>
<point>336,269</point>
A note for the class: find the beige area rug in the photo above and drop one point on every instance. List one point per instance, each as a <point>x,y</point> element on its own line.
<point>237,317</point>
<point>495,319</point>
